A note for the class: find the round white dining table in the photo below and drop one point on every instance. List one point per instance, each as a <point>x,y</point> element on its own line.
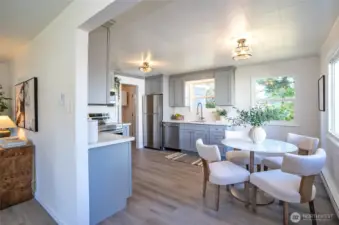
<point>269,147</point>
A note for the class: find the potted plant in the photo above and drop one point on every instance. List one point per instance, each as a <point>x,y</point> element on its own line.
<point>3,101</point>
<point>257,117</point>
<point>222,113</point>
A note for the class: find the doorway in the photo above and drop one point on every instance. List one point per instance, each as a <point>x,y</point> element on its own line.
<point>129,107</point>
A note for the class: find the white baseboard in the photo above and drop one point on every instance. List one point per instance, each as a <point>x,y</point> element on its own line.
<point>50,211</point>
<point>331,188</point>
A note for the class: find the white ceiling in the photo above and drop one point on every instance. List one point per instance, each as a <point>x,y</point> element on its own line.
<point>190,35</point>
<point>22,20</point>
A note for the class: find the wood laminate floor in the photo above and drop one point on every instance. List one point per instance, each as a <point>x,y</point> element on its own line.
<point>167,192</point>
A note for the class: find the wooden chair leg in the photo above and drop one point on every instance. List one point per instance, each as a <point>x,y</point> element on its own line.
<point>247,193</point>
<point>204,187</point>
<point>285,211</point>
<point>258,168</point>
<point>312,211</point>
<point>217,198</point>
<point>254,198</point>
<point>265,168</point>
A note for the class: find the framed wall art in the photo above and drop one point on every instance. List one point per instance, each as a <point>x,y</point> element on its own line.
<point>321,93</point>
<point>26,104</point>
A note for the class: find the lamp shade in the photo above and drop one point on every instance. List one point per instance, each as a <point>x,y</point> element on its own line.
<point>6,122</point>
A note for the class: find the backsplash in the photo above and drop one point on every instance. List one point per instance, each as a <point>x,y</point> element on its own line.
<point>190,114</point>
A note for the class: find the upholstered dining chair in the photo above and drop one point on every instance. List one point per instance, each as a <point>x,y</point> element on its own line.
<point>307,146</point>
<point>219,172</point>
<point>240,157</point>
<point>293,183</point>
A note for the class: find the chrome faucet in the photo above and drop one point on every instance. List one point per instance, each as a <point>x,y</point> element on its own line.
<point>201,117</point>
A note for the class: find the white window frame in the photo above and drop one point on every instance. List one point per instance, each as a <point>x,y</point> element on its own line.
<point>188,96</point>
<point>292,123</point>
<point>332,119</point>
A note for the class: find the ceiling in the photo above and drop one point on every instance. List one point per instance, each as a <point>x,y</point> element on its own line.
<point>181,36</point>
<point>22,20</point>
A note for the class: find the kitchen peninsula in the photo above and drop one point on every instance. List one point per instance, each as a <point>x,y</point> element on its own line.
<point>110,175</point>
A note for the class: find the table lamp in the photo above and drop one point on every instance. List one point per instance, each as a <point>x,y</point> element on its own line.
<point>5,123</point>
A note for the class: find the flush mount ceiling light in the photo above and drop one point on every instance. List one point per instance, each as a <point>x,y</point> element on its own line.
<point>146,68</point>
<point>243,51</point>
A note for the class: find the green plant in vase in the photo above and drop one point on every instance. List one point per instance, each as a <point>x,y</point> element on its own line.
<point>222,113</point>
<point>3,101</point>
<point>257,117</point>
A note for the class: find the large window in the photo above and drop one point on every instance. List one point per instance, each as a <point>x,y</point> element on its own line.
<point>200,91</point>
<point>333,105</point>
<point>278,92</point>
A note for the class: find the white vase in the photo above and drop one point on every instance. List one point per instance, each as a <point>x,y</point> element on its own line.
<point>222,118</point>
<point>257,134</point>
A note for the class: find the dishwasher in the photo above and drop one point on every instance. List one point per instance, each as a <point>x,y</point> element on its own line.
<point>171,134</point>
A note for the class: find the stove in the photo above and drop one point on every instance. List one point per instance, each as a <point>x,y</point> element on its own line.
<point>105,124</point>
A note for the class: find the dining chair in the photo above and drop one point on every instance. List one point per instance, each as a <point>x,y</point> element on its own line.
<point>219,172</point>
<point>240,157</point>
<point>293,183</point>
<point>307,146</point>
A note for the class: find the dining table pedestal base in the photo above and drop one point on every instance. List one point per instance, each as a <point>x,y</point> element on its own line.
<point>238,192</point>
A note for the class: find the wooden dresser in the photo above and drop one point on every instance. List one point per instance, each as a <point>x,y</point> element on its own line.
<point>16,175</point>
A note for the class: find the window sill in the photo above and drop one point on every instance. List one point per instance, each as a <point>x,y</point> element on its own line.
<point>283,124</point>
<point>334,138</point>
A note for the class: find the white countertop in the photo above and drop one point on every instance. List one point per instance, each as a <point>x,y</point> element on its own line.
<point>220,123</point>
<point>105,139</point>
<point>268,146</point>
<point>126,124</point>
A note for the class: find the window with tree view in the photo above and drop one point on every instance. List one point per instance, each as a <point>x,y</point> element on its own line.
<point>278,92</point>
<point>200,91</point>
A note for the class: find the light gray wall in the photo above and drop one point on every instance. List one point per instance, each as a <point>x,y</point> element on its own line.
<point>306,73</point>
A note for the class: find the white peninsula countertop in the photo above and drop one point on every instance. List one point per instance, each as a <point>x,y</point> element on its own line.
<point>105,139</point>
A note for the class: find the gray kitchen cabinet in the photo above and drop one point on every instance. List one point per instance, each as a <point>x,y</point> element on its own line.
<point>190,134</point>
<point>186,137</point>
<point>224,87</point>
<point>154,85</point>
<point>99,82</point>
<point>176,92</point>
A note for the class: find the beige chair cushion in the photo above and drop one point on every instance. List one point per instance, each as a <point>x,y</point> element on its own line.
<point>225,172</point>
<point>241,157</point>
<point>280,185</point>
<point>274,162</point>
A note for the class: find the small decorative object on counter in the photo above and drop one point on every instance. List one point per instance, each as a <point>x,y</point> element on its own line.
<point>222,113</point>
<point>257,117</point>
<point>177,116</point>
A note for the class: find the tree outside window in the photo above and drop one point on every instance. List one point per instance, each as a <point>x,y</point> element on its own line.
<point>277,92</point>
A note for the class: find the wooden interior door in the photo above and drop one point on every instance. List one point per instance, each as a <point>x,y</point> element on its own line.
<point>129,110</point>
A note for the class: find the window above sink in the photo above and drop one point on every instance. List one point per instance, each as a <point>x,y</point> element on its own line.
<point>200,91</point>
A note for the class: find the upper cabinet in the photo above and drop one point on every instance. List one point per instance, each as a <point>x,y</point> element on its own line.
<point>154,85</point>
<point>99,82</point>
<point>176,92</point>
<point>224,87</point>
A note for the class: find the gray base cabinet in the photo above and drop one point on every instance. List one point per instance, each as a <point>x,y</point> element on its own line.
<point>210,135</point>
<point>110,180</point>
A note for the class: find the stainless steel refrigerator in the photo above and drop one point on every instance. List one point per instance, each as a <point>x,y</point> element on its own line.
<point>152,121</point>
